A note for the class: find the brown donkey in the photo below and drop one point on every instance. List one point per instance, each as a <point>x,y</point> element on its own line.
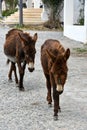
<point>19,48</point>
<point>54,63</point>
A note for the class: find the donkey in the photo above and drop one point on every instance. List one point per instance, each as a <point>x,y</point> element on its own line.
<point>54,63</point>
<point>19,48</point>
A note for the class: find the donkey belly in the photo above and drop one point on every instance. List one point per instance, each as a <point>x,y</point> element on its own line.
<point>10,54</point>
<point>12,59</point>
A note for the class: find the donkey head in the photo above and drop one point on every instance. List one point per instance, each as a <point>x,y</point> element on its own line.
<point>28,46</point>
<point>59,69</point>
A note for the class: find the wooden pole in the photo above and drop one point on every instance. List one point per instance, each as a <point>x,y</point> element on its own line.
<point>21,12</point>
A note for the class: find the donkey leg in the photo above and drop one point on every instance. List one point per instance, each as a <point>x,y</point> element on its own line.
<point>10,72</point>
<point>15,74</point>
<point>21,88</point>
<point>56,103</point>
<point>59,108</point>
<point>13,68</point>
<point>48,84</point>
<point>21,73</point>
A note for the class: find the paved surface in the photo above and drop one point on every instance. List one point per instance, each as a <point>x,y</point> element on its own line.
<point>29,110</point>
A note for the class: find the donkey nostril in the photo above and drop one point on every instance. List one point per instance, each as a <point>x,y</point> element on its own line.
<point>31,69</point>
<point>60,92</point>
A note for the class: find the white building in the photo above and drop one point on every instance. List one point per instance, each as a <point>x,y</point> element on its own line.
<point>33,3</point>
<point>76,32</point>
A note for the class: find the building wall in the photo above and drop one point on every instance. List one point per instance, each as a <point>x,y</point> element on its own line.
<point>37,3</point>
<point>33,3</point>
<point>75,32</point>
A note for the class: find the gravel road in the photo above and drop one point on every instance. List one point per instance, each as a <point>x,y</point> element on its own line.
<point>29,110</point>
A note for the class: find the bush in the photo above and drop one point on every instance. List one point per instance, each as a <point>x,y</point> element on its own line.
<point>81,21</point>
<point>54,24</point>
<point>8,12</point>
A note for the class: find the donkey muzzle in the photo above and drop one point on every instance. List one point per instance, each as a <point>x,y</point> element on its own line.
<point>31,66</point>
<point>31,69</point>
<point>59,89</point>
<point>60,92</point>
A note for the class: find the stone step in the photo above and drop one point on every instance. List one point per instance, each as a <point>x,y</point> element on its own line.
<point>25,23</point>
<point>38,10</point>
<point>24,19</point>
<point>25,16</point>
<point>30,16</point>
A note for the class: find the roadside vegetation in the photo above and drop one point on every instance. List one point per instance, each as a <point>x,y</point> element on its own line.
<point>10,7</point>
<point>54,9</point>
<point>80,51</point>
<point>36,27</point>
<point>8,12</point>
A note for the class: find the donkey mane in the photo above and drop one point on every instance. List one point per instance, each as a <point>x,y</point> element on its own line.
<point>12,32</point>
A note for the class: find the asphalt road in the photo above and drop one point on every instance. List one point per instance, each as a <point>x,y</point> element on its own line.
<point>29,110</point>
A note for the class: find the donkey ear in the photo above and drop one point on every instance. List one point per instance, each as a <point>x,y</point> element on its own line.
<point>67,54</point>
<point>21,35</point>
<point>50,55</point>
<point>35,37</point>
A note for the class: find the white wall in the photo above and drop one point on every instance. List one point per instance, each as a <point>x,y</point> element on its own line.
<point>85,21</point>
<point>29,3</point>
<point>78,33</point>
<point>37,3</point>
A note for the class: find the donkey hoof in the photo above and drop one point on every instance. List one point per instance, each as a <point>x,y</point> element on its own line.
<point>22,89</point>
<point>59,109</point>
<point>10,80</point>
<point>17,85</point>
<point>55,118</point>
<point>49,105</point>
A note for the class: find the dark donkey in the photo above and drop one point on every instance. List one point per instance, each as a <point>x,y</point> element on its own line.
<point>19,48</point>
<point>54,63</point>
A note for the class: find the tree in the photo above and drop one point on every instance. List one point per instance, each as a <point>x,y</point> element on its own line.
<point>11,4</point>
<point>54,8</point>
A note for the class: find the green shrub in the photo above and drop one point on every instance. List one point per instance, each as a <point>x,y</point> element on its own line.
<point>81,21</point>
<point>8,12</point>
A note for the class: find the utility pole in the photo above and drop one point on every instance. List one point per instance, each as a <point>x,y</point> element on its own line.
<point>21,12</point>
<point>0,8</point>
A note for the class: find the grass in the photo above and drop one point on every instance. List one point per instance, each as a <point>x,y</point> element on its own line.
<point>36,27</point>
<point>80,50</point>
